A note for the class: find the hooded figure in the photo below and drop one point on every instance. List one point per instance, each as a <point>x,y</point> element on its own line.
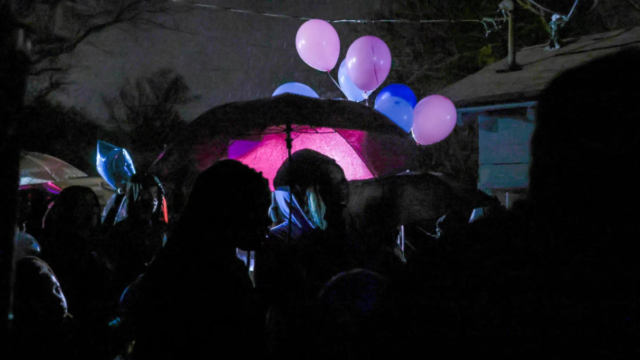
<point>291,270</point>
<point>318,183</point>
<point>317,246</point>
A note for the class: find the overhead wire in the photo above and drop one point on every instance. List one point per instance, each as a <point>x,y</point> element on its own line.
<point>484,21</point>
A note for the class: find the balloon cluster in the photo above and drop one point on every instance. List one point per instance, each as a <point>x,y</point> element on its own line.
<point>364,69</point>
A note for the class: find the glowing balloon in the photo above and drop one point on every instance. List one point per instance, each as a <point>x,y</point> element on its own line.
<point>114,164</point>
<point>350,90</point>
<point>396,109</point>
<point>318,44</point>
<point>398,90</point>
<point>368,62</point>
<point>433,119</point>
<point>295,88</point>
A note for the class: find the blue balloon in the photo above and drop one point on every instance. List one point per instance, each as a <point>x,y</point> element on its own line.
<point>351,91</point>
<point>114,164</point>
<point>295,88</point>
<point>398,90</point>
<point>396,109</point>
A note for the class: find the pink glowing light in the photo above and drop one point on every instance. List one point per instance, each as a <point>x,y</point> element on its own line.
<point>48,186</point>
<point>268,154</point>
<point>51,187</point>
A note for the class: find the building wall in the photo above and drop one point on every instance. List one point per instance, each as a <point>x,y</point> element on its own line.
<point>503,153</point>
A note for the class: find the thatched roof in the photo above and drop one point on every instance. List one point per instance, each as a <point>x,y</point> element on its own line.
<point>489,86</point>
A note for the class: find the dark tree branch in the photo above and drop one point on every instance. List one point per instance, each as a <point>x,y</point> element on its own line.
<point>432,67</point>
<point>630,2</point>
<point>126,13</point>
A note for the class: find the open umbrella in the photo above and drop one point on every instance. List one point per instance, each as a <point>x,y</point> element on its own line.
<point>411,198</point>
<point>37,168</point>
<point>257,132</point>
<point>379,206</point>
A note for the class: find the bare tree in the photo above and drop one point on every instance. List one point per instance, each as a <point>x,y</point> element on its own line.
<point>145,110</point>
<point>58,27</point>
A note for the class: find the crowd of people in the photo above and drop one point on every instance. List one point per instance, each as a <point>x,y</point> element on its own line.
<point>555,276</point>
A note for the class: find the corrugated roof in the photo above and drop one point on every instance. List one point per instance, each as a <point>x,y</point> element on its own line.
<point>539,67</point>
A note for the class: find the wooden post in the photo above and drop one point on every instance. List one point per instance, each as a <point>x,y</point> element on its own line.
<point>509,7</point>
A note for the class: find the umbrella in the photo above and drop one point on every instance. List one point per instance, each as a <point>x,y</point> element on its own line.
<point>410,198</point>
<point>37,168</point>
<point>362,140</point>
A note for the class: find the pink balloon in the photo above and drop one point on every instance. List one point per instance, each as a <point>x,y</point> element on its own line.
<point>368,62</point>
<point>318,44</point>
<point>434,117</point>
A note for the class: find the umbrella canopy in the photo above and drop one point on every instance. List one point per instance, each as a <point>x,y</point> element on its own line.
<point>37,168</point>
<point>251,130</point>
<point>245,118</point>
<point>410,198</point>
<point>362,140</point>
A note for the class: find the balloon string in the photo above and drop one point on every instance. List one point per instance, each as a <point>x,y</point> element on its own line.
<point>366,98</point>
<point>334,80</point>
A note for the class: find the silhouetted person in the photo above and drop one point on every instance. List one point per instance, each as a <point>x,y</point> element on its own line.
<point>71,250</point>
<point>42,326</point>
<point>558,275</point>
<point>319,186</point>
<point>291,270</point>
<point>137,240</point>
<point>196,301</point>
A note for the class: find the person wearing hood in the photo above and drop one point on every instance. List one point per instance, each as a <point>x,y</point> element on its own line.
<point>302,254</point>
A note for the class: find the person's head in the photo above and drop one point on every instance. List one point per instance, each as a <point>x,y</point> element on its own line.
<point>75,210</point>
<point>38,298</point>
<point>229,202</point>
<point>317,181</point>
<point>585,147</point>
<point>144,193</point>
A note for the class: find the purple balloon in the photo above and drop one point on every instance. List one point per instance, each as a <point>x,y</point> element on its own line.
<point>368,62</point>
<point>434,117</point>
<point>318,44</point>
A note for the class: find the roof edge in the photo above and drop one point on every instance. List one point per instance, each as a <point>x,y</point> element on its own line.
<point>503,106</point>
